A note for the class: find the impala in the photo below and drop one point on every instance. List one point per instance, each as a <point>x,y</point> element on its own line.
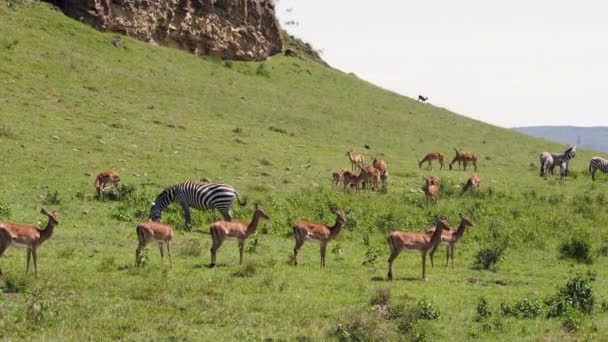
<point>431,188</point>
<point>415,242</point>
<point>430,157</point>
<point>105,178</point>
<point>306,230</point>
<point>355,159</point>
<point>472,183</point>
<point>29,237</point>
<point>222,230</point>
<point>449,238</point>
<point>150,231</point>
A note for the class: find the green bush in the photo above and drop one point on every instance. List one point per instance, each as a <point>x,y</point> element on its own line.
<point>426,310</point>
<point>576,294</point>
<point>578,247</point>
<point>483,312</point>
<point>52,198</point>
<point>5,210</point>
<point>487,258</point>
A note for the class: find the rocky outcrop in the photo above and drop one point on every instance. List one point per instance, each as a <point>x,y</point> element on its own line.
<point>233,29</point>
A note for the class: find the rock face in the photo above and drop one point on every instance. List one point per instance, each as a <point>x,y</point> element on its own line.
<point>234,29</point>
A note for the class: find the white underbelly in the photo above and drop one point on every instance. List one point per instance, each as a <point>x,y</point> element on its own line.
<point>411,250</point>
<point>312,240</point>
<point>20,245</point>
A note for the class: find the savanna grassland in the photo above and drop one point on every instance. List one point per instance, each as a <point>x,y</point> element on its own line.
<point>73,105</point>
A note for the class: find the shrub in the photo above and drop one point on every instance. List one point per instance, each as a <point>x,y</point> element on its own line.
<point>253,245</point>
<point>571,320</point>
<point>5,210</point>
<point>15,283</point>
<point>365,325</point>
<point>483,312</point>
<point>371,255</point>
<point>337,251</point>
<point>487,258</point>
<point>576,294</point>
<point>426,310</point>
<point>524,308</point>
<point>578,248</point>
<point>52,198</point>
<point>381,297</point>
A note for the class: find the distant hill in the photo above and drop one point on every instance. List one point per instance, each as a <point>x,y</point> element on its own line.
<point>593,138</point>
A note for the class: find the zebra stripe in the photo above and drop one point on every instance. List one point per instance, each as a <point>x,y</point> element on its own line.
<point>196,195</point>
<point>597,163</point>
<point>547,165</point>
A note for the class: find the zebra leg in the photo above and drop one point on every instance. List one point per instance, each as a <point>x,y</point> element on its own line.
<point>227,214</point>
<point>187,215</point>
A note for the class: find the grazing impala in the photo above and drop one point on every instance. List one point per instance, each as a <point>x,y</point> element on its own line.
<point>149,231</point>
<point>28,237</point>
<point>431,188</point>
<point>106,178</point>
<point>355,159</point>
<point>472,183</point>
<point>222,230</point>
<point>379,165</point>
<point>306,230</point>
<point>430,157</point>
<point>415,242</point>
<point>371,176</point>
<point>337,177</point>
<point>450,237</point>
<point>465,158</point>
<point>352,179</point>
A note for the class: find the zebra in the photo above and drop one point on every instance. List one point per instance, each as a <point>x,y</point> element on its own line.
<point>546,164</point>
<point>198,195</point>
<point>566,156</point>
<point>597,163</point>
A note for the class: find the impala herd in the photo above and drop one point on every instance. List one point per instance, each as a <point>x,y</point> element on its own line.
<point>373,177</point>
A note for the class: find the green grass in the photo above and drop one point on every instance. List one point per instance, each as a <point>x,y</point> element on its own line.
<point>72,105</point>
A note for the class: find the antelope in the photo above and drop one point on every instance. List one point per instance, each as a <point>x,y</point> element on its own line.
<point>104,178</point>
<point>472,183</point>
<point>148,231</point>
<point>384,179</point>
<point>431,188</point>
<point>450,237</point>
<point>355,159</point>
<point>430,157</point>
<point>371,176</point>
<point>306,230</point>
<point>464,157</point>
<point>222,230</point>
<point>412,242</point>
<point>337,177</point>
<point>29,237</point>
<point>350,178</point>
<point>379,165</point>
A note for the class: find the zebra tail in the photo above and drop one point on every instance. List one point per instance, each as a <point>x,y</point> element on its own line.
<point>238,198</point>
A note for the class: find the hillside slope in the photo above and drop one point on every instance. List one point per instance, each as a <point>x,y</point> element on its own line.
<point>73,105</point>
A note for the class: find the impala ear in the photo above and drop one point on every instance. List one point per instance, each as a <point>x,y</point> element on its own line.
<point>257,206</point>
<point>44,212</point>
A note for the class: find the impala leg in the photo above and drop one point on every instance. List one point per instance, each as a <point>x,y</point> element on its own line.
<point>323,249</point>
<point>394,255</point>
<point>162,254</point>
<point>169,252</point>
<point>216,245</point>
<point>28,252</point>
<point>452,254</point>
<point>138,255</point>
<point>241,245</point>
<point>447,256</point>
<point>423,266</point>
<point>35,261</point>
<point>299,244</point>
<point>431,254</point>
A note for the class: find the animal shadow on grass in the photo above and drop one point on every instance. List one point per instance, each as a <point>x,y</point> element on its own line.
<point>199,266</point>
<point>381,278</point>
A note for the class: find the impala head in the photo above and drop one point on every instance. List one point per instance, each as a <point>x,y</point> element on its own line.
<point>349,152</point>
<point>52,215</point>
<point>341,215</point>
<point>466,220</point>
<point>258,211</point>
<point>441,223</point>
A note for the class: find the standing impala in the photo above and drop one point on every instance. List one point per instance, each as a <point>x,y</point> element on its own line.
<point>306,230</point>
<point>450,237</point>
<point>28,237</point>
<point>105,178</point>
<point>222,230</point>
<point>415,242</point>
<point>149,231</point>
<point>355,159</point>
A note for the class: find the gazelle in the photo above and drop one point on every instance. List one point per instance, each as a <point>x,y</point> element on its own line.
<point>430,157</point>
<point>355,159</point>
<point>337,177</point>
<point>371,176</point>
<point>106,178</point>
<point>28,237</point>
<point>149,231</point>
<point>352,179</point>
<point>379,165</point>
<point>306,230</point>
<point>450,237</point>
<point>431,189</point>
<point>472,183</point>
<point>415,242</point>
<point>464,157</point>
<point>222,230</point>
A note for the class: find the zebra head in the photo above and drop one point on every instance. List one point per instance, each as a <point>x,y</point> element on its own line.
<point>155,213</point>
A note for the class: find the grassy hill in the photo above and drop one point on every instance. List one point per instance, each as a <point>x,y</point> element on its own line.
<point>73,105</point>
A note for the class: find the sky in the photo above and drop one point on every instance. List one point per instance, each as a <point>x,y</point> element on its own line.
<point>508,63</point>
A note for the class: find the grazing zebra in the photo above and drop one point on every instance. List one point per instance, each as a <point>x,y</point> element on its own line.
<point>198,195</point>
<point>597,163</point>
